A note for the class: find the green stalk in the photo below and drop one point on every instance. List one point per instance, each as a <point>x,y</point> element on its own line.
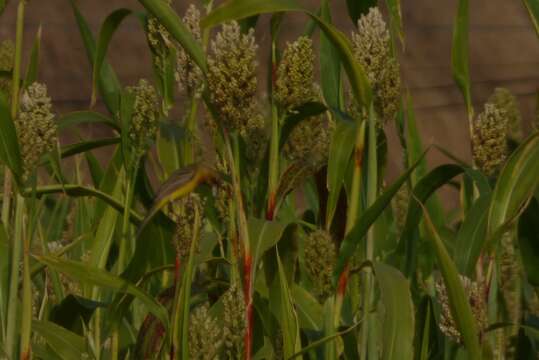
<point>8,177</point>
<point>13,303</point>
<point>274,147</point>
<point>124,244</point>
<point>26,322</point>
<point>372,183</point>
<point>351,217</point>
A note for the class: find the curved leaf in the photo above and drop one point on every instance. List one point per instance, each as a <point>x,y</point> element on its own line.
<point>85,117</point>
<point>74,149</point>
<point>471,236</point>
<point>99,277</point>
<point>533,9</point>
<point>105,35</point>
<point>108,83</point>
<point>33,66</point>
<point>422,191</point>
<point>461,310</point>
<point>528,239</point>
<point>398,323</point>
<point>302,113</point>
<point>79,190</point>
<point>364,222</point>
<point>516,183</point>
<point>65,343</point>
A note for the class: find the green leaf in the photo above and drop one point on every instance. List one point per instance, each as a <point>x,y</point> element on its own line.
<point>78,148</point>
<point>112,22</point>
<point>264,235</point>
<point>85,117</point>
<point>172,22</point>
<point>340,151</point>
<point>421,193</point>
<point>461,310</point>
<point>9,146</point>
<point>516,183</point>
<point>533,9</point>
<point>79,190</point>
<point>108,83</point>
<point>234,10</point>
<point>74,312</point>
<point>459,54</point>
<point>398,322</point>
<point>471,237</point>
<point>99,277</point>
<point>352,240</point>
<point>329,61</point>
<point>310,312</point>
<point>528,239</point>
<point>288,317</point>
<point>65,344</point>
<point>33,66</point>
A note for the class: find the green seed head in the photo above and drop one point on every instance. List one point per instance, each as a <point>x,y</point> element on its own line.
<point>234,322</point>
<point>309,142</point>
<point>295,75</point>
<point>36,129</point>
<point>184,213</point>
<point>232,76</point>
<point>145,121</point>
<point>489,146</point>
<point>476,297</point>
<point>204,335</point>
<point>372,49</point>
<point>7,55</point>
<point>255,136</point>
<point>188,74</point>
<point>320,259</point>
<point>507,103</point>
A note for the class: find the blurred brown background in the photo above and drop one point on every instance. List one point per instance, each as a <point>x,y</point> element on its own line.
<point>504,51</point>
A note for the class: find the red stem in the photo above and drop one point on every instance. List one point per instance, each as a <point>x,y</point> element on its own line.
<point>270,211</point>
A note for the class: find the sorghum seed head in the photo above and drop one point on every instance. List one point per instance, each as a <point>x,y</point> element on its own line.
<point>188,74</point>
<point>145,120</point>
<point>255,136</point>
<point>204,335</point>
<point>184,212</point>
<point>7,55</point>
<point>476,297</point>
<point>36,129</point>
<point>510,285</point>
<point>489,145</point>
<point>160,40</point>
<point>295,74</point>
<point>309,141</point>
<point>372,49</point>
<point>320,259</point>
<point>232,76</point>
<point>400,206</point>
<point>234,322</point>
<point>222,192</point>
<point>507,103</point>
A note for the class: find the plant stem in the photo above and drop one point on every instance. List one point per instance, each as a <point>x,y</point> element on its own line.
<point>372,185</point>
<point>352,214</point>
<point>14,280</point>
<point>274,143</point>
<point>191,125</point>
<point>8,177</point>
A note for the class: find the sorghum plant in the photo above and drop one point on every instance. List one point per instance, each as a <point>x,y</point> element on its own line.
<point>236,222</point>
